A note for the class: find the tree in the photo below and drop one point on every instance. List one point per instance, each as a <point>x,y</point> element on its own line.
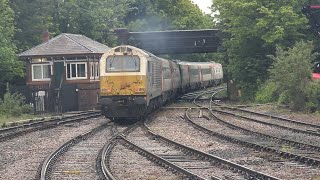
<point>291,74</point>
<point>9,65</point>
<point>151,15</point>
<point>95,19</point>
<point>252,31</point>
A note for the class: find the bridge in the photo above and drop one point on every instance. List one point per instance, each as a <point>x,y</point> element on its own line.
<point>172,42</point>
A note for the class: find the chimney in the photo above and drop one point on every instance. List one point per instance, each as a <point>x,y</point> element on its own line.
<point>45,36</point>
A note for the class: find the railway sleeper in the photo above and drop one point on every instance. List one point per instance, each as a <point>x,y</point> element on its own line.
<point>286,155</point>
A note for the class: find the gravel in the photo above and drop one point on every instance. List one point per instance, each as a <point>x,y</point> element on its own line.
<point>128,164</point>
<point>169,124</point>
<point>21,157</point>
<point>79,162</point>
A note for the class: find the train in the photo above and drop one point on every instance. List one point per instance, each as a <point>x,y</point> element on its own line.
<point>316,71</point>
<point>134,82</point>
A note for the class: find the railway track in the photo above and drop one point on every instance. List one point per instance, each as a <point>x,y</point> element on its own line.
<point>199,162</point>
<point>77,156</point>
<point>302,152</point>
<point>191,96</point>
<point>293,126</point>
<point>21,156</point>
<point>120,139</point>
<point>87,156</point>
<point>28,127</point>
<point>294,139</point>
<point>170,125</point>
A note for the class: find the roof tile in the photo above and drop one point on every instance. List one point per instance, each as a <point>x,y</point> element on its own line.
<point>65,44</point>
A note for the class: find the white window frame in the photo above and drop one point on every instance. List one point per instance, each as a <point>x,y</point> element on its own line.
<point>41,65</point>
<point>70,66</point>
<point>94,70</point>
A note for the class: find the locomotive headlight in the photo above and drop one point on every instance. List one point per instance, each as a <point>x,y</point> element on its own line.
<point>106,90</point>
<point>140,90</point>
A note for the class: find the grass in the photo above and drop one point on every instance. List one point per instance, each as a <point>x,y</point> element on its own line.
<point>4,119</point>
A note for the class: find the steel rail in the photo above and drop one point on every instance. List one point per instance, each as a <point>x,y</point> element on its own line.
<point>268,123</point>
<point>161,160</point>
<point>38,121</point>
<point>281,140</point>
<point>31,127</point>
<point>106,150</point>
<point>287,155</point>
<point>103,156</point>
<point>270,116</point>
<point>50,159</point>
<point>249,173</point>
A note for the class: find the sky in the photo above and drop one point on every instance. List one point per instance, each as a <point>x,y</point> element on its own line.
<point>204,5</point>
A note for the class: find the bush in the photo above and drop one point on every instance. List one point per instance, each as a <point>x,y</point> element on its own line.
<point>267,93</point>
<point>14,104</point>
<point>290,76</point>
<point>313,96</point>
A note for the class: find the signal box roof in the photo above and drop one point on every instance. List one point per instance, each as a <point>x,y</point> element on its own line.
<point>66,44</point>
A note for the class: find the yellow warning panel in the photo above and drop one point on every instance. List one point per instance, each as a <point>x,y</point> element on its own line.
<point>73,172</point>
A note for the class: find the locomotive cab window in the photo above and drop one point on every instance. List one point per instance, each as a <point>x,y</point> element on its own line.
<point>123,64</point>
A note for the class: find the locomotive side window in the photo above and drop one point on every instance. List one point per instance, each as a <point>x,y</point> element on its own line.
<point>123,64</point>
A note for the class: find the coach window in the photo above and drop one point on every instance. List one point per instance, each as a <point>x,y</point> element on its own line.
<point>76,70</point>
<point>41,72</point>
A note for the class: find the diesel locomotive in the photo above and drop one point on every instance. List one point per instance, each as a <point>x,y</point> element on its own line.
<point>133,82</point>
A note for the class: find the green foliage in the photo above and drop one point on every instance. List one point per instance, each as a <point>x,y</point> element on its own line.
<point>98,18</point>
<point>153,15</point>
<point>313,96</point>
<point>9,65</point>
<point>267,93</point>
<point>291,74</point>
<point>95,19</point>
<point>13,104</point>
<point>252,31</point>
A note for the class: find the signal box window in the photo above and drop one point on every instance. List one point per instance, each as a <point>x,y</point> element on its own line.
<point>76,70</point>
<point>94,70</point>
<point>41,72</point>
<point>123,64</point>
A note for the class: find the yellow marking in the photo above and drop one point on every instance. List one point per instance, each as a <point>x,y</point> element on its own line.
<point>123,85</point>
<point>286,148</point>
<point>75,172</point>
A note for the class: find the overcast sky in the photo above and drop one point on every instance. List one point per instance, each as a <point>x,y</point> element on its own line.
<point>204,5</point>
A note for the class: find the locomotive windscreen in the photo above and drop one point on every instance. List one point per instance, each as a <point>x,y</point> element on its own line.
<point>123,64</point>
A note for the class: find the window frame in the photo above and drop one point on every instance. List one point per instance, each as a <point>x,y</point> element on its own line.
<point>138,70</point>
<point>94,70</point>
<point>42,77</point>
<point>70,68</point>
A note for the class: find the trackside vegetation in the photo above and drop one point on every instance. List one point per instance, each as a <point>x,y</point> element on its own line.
<point>290,80</point>
<point>265,44</point>
<point>13,104</point>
